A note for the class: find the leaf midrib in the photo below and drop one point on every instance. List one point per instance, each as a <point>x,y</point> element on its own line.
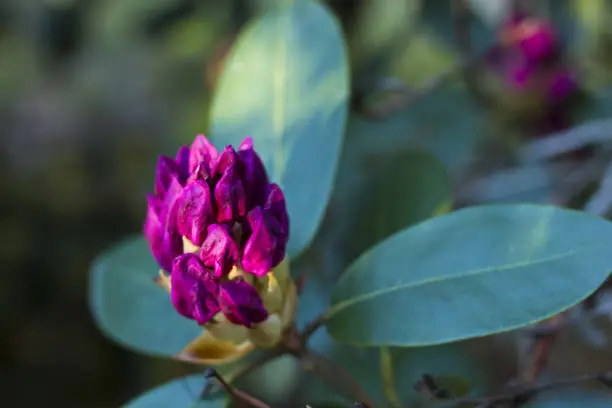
<point>362,298</point>
<point>279,81</point>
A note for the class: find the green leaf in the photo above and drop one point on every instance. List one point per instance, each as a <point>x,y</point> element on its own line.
<point>364,365</point>
<point>471,273</point>
<point>286,85</point>
<point>130,308</point>
<point>181,393</point>
<point>402,189</point>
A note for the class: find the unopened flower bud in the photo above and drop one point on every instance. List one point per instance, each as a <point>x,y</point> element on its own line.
<point>221,228</point>
<point>528,77</point>
<point>267,333</point>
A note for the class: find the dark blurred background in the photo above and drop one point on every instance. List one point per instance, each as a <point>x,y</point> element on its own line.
<point>91,92</point>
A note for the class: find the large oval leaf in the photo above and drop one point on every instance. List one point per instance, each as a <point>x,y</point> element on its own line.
<point>471,273</point>
<point>180,393</point>
<point>286,85</point>
<point>130,308</point>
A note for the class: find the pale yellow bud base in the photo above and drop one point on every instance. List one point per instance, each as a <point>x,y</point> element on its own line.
<point>222,341</point>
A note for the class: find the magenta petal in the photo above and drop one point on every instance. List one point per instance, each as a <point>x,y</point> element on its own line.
<point>229,197</point>
<point>195,211</point>
<point>167,169</point>
<point>154,234</point>
<point>200,173</point>
<point>265,247</point>
<point>241,304</point>
<point>276,207</point>
<point>246,144</point>
<point>193,291</point>
<point>219,250</point>
<point>169,210</point>
<point>163,239</point>
<point>541,45</point>
<point>228,158</point>
<point>202,151</point>
<point>253,174</point>
<point>182,161</point>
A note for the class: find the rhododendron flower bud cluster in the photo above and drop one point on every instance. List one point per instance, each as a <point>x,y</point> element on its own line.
<point>220,228</point>
<point>528,60</point>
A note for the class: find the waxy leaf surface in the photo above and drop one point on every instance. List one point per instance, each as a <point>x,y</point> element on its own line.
<point>474,272</point>
<point>130,308</point>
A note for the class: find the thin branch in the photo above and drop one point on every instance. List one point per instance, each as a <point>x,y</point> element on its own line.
<point>525,393</point>
<point>311,327</point>
<point>560,143</point>
<point>337,377</point>
<point>249,399</point>
<point>241,398</point>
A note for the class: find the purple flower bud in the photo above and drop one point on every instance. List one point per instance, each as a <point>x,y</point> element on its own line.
<point>219,250</point>
<point>268,233</point>
<point>193,290</point>
<point>167,169</point>
<point>195,211</point>
<point>201,197</point>
<point>535,39</point>
<point>202,152</point>
<point>265,248</point>
<point>252,173</point>
<point>241,304</point>
<point>538,41</point>
<point>230,197</point>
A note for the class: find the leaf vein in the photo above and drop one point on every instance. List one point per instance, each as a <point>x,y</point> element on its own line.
<point>344,304</point>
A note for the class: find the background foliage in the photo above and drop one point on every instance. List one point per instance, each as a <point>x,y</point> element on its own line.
<point>91,92</point>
